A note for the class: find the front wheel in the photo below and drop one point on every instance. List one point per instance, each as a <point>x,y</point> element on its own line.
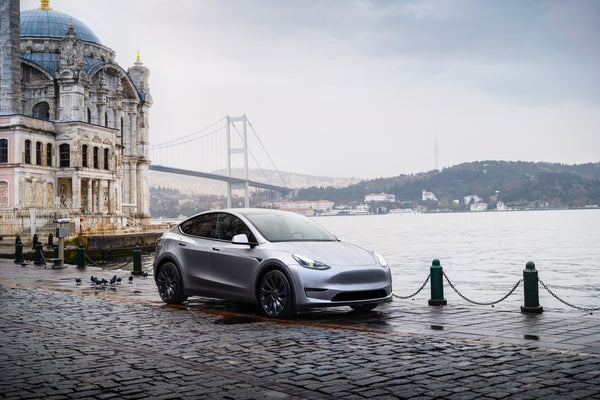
<point>276,296</point>
<point>170,287</point>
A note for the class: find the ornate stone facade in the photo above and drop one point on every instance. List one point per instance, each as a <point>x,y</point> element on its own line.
<point>73,123</point>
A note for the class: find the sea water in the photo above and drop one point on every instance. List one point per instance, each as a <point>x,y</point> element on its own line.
<point>484,253</point>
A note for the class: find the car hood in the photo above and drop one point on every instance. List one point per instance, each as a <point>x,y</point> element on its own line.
<point>334,254</point>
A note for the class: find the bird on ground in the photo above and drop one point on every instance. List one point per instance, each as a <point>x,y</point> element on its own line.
<point>130,278</point>
<point>103,281</point>
<point>119,280</point>
<point>145,274</point>
<point>78,281</point>
<point>113,280</point>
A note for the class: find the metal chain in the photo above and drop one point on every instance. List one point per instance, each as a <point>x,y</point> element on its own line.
<point>417,292</point>
<point>480,303</point>
<point>565,302</point>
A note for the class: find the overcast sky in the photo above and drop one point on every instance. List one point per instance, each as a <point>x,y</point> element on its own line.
<point>360,88</point>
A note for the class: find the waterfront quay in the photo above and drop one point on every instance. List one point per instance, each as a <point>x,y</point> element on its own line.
<point>63,340</point>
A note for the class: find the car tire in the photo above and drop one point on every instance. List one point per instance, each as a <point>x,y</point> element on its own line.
<point>170,286</point>
<point>275,295</point>
<point>363,308</point>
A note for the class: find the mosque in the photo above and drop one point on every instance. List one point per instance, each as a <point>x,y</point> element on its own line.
<point>73,126</point>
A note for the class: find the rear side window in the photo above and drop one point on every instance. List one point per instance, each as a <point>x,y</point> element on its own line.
<point>204,225</point>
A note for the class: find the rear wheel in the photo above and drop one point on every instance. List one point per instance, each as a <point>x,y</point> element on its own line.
<point>170,287</point>
<point>276,296</point>
<point>363,307</point>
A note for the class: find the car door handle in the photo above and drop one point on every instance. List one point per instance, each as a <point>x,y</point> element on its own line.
<point>215,249</point>
<point>182,244</point>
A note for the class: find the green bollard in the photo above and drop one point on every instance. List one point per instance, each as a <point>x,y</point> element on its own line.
<point>55,250</point>
<point>530,289</point>
<point>437,284</point>
<point>39,255</point>
<point>35,240</point>
<point>137,261</point>
<point>19,250</point>
<point>80,256</point>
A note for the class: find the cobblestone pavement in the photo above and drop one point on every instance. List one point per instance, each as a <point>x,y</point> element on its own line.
<point>62,341</point>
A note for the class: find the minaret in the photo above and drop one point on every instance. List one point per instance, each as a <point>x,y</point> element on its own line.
<point>10,49</point>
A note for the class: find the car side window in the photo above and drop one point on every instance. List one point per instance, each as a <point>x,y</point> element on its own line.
<point>204,225</point>
<point>229,226</point>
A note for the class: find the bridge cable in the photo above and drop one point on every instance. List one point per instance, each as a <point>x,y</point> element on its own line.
<point>266,152</point>
<point>190,137</point>
<point>252,154</point>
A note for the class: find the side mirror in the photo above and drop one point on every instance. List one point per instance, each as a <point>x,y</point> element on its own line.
<point>242,239</point>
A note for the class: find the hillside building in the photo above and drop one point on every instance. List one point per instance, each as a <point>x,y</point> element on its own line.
<point>428,196</point>
<point>73,125</point>
<point>380,197</point>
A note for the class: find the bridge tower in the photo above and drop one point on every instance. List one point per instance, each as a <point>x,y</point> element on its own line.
<point>237,151</point>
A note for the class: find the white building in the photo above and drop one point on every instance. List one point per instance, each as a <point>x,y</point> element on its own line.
<point>380,197</point>
<point>428,196</point>
<point>319,205</point>
<point>500,206</point>
<point>478,206</point>
<point>73,123</point>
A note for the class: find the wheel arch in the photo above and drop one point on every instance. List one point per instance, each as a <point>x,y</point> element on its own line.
<point>162,260</point>
<point>270,265</point>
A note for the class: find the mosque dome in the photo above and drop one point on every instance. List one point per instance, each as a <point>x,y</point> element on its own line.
<point>45,22</point>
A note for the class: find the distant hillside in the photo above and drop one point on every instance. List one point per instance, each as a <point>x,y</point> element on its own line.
<point>518,184</point>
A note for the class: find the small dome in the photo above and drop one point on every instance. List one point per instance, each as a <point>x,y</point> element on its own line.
<point>50,23</point>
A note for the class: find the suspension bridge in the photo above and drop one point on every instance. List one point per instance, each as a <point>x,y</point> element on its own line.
<point>220,151</point>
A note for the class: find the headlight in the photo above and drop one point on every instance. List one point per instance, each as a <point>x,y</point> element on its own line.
<point>381,260</point>
<point>309,263</point>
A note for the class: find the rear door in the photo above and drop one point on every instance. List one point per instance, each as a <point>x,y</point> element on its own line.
<point>195,247</point>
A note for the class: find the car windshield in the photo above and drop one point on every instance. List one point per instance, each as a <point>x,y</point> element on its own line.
<point>286,227</point>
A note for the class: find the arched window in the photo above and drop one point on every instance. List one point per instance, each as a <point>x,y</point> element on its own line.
<point>41,111</point>
<point>84,156</point>
<point>89,115</point>
<point>28,152</point>
<point>96,157</point>
<point>3,151</point>
<point>65,155</point>
<point>49,154</point>
<point>38,153</point>
<point>106,158</point>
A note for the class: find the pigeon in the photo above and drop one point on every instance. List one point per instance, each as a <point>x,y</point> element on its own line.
<point>130,278</point>
<point>145,274</point>
<point>113,280</point>
<point>119,280</point>
<point>103,281</point>
<point>78,281</point>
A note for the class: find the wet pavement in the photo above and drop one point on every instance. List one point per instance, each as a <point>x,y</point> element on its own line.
<point>63,340</point>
